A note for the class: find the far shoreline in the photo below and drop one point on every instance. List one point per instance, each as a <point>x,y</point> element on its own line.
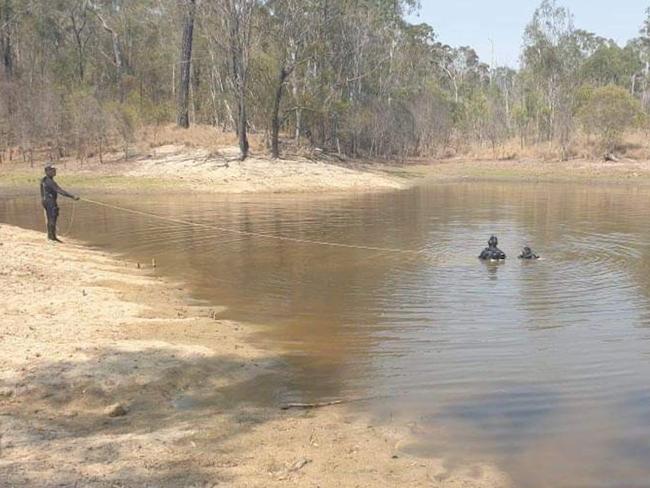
<point>178,169</point>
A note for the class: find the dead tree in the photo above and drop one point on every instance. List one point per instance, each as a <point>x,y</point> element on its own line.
<point>118,58</point>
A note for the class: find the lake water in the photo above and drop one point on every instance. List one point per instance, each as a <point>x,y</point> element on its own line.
<point>540,367</point>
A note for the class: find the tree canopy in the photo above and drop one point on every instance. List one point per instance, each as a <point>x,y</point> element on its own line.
<point>352,77</point>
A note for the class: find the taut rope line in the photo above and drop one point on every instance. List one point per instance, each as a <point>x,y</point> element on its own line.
<point>254,234</point>
<point>71,222</point>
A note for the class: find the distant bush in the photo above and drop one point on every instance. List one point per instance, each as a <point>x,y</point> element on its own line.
<point>608,112</point>
<point>126,120</point>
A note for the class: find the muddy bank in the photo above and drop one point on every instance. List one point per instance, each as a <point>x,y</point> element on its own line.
<point>180,168</point>
<point>82,332</point>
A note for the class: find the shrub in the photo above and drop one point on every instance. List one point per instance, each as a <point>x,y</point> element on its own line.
<point>607,112</point>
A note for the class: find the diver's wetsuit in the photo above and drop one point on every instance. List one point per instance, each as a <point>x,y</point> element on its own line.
<point>492,252</point>
<point>528,253</point>
<point>49,193</point>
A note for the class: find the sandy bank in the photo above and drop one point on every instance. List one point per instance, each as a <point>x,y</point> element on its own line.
<point>81,331</point>
<point>176,167</point>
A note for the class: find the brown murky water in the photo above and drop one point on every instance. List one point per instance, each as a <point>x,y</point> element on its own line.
<point>542,367</point>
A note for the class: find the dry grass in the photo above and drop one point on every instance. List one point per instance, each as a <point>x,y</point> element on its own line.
<point>197,137</point>
<point>147,138</point>
<point>635,145</point>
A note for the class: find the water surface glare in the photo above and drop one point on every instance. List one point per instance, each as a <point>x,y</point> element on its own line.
<point>541,367</point>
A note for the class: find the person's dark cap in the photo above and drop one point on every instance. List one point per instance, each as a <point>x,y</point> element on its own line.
<point>49,167</point>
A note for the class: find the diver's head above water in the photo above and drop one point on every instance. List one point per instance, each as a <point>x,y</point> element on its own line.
<point>492,252</point>
<point>528,253</point>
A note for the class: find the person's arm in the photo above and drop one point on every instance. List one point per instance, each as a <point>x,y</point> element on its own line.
<point>61,191</point>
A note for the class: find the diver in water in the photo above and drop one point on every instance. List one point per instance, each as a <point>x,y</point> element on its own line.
<point>528,253</point>
<point>50,190</point>
<point>492,252</point>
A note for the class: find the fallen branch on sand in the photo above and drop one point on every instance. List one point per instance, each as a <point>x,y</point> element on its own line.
<point>289,406</point>
<point>307,406</point>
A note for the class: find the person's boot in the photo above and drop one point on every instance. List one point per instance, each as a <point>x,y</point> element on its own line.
<point>51,233</point>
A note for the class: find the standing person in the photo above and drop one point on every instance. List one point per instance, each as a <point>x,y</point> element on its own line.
<point>49,193</point>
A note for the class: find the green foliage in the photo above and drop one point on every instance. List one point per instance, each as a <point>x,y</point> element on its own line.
<point>126,120</point>
<point>610,64</point>
<point>607,112</point>
<point>360,78</point>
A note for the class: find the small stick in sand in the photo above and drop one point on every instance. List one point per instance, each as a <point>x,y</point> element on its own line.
<point>310,405</point>
<point>289,406</point>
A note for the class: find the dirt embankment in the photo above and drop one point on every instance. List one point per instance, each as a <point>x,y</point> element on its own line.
<point>82,332</point>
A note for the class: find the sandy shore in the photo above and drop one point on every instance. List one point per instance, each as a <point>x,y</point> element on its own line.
<point>179,168</point>
<point>82,332</point>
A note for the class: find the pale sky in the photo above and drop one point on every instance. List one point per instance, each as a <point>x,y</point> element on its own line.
<point>475,22</point>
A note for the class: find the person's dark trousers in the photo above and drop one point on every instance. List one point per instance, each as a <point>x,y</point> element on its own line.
<point>51,213</point>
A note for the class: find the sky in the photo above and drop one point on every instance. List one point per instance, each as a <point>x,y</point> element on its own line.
<point>484,23</point>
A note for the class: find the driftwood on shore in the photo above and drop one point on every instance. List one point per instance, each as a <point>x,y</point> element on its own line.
<point>307,406</point>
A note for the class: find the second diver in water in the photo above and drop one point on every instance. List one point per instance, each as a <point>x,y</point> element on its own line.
<point>492,252</point>
<point>528,253</point>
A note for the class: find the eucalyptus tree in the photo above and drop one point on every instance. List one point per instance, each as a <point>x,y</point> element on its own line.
<point>80,26</point>
<point>183,117</point>
<point>551,57</point>
<point>238,22</point>
<point>643,49</point>
<point>7,18</point>
<point>291,23</point>
<point>610,64</point>
<point>108,14</point>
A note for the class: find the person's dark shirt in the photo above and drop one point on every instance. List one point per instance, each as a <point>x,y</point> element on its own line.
<point>50,190</point>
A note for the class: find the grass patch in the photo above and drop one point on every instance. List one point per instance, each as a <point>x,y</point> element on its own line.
<point>93,182</point>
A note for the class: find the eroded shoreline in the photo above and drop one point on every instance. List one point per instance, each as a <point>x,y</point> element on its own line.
<point>83,331</point>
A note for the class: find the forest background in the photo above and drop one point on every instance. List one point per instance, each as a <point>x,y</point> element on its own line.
<point>80,78</point>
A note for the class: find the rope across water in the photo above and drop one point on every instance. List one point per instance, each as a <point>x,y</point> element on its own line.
<point>71,221</point>
<point>410,252</point>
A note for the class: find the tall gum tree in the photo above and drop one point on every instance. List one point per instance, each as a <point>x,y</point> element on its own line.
<point>6,47</point>
<point>291,21</point>
<point>183,111</point>
<point>236,17</point>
